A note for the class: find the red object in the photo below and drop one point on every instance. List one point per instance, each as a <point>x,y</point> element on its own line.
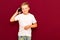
<point>47,13</point>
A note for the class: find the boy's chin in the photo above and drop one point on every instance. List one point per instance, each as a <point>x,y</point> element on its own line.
<point>25,12</point>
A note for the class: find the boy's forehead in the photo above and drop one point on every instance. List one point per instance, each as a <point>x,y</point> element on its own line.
<point>24,6</point>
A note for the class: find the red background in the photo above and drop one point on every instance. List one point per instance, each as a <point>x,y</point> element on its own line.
<point>47,13</point>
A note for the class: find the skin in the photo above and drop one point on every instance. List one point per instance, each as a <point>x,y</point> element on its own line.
<point>25,10</point>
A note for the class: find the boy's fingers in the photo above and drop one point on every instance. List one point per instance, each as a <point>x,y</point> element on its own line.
<point>18,8</point>
<point>26,27</point>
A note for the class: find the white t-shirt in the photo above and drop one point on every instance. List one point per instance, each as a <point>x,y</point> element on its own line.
<point>25,20</point>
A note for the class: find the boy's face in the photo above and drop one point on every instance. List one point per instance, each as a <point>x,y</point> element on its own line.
<point>25,9</point>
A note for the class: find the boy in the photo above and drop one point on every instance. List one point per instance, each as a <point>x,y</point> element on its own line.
<point>26,22</point>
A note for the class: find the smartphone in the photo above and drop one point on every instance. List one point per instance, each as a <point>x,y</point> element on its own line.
<point>19,10</point>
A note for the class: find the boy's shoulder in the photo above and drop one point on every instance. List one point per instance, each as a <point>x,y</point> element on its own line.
<point>31,14</point>
<point>19,14</point>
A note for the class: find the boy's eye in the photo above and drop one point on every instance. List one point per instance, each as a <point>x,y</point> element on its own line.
<point>24,8</point>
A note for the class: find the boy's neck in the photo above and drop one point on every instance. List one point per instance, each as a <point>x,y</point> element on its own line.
<point>26,13</point>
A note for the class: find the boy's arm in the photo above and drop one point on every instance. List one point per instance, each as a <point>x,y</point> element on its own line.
<point>12,19</point>
<point>34,25</point>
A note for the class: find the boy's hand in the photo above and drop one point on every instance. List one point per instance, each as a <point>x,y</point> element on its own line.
<point>17,11</point>
<point>27,27</point>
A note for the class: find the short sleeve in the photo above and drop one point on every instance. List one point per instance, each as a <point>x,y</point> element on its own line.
<point>17,18</point>
<point>33,19</point>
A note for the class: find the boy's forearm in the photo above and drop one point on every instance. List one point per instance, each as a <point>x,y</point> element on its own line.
<point>12,19</point>
<point>30,26</point>
<point>33,26</point>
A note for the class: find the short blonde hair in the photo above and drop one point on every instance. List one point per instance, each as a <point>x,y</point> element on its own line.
<point>25,3</point>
